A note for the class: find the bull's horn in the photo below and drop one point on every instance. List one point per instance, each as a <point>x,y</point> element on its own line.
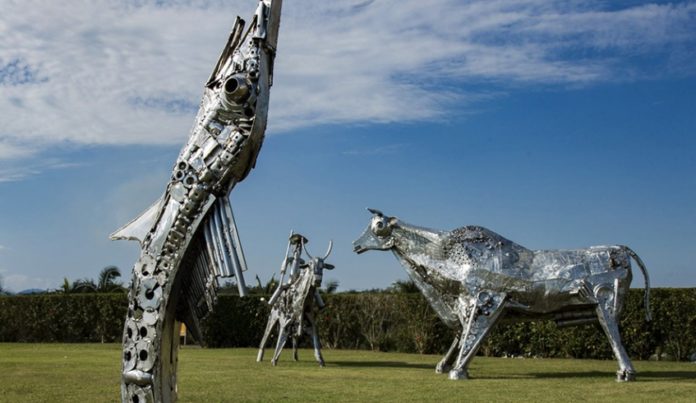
<point>306,251</point>
<point>329,250</point>
<point>375,211</point>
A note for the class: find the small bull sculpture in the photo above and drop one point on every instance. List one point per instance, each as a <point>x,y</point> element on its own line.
<point>472,277</point>
<point>293,303</point>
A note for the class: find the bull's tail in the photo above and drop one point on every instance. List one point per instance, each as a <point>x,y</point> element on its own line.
<point>644,270</point>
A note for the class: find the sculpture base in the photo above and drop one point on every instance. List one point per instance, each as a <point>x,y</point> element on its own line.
<point>456,375</point>
<point>625,376</point>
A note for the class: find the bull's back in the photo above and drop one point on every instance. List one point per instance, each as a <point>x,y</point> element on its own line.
<point>577,263</point>
<point>562,279</point>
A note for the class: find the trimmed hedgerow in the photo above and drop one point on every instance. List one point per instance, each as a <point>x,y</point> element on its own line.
<point>62,318</point>
<point>371,320</point>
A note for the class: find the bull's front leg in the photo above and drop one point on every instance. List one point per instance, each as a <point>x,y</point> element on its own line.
<point>272,319</point>
<point>282,338</point>
<point>446,362</point>
<point>478,315</point>
<point>315,338</point>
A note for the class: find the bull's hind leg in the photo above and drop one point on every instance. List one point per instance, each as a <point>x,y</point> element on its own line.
<point>446,362</point>
<point>294,347</point>
<point>481,314</point>
<point>607,319</point>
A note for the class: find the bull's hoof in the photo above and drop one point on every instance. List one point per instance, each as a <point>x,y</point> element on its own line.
<point>274,362</point>
<point>259,357</point>
<point>441,368</point>
<point>457,374</point>
<point>625,376</point>
<point>321,363</point>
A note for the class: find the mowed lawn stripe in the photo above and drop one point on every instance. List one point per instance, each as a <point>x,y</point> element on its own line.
<point>90,372</point>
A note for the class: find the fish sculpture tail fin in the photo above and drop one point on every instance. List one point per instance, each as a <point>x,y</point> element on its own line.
<point>138,228</point>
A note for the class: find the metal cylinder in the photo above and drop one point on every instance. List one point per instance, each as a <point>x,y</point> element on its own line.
<point>235,91</point>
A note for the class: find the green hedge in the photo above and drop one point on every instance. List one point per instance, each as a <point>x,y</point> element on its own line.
<point>62,318</point>
<point>377,321</point>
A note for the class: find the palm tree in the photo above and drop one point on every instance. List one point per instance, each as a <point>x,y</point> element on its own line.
<point>66,287</point>
<point>107,280</point>
<point>261,289</point>
<point>83,285</point>
<point>331,287</point>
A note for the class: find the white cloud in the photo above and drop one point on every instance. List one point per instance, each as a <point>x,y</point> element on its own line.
<point>385,150</point>
<point>8,150</point>
<point>100,72</point>
<point>11,172</point>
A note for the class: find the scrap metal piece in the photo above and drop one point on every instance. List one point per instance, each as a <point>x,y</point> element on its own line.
<point>149,294</point>
<point>129,357</point>
<point>294,302</point>
<point>188,237</point>
<point>471,275</point>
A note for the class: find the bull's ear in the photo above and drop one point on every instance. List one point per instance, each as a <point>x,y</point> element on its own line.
<point>393,221</point>
<point>375,212</point>
<point>329,266</point>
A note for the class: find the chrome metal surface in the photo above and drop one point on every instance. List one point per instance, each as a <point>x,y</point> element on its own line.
<point>188,238</point>
<point>295,302</point>
<point>472,276</point>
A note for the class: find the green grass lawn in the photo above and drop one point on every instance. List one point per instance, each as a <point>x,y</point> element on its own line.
<point>90,373</point>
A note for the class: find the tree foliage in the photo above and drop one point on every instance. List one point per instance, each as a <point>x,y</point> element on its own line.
<point>105,283</point>
<point>107,280</point>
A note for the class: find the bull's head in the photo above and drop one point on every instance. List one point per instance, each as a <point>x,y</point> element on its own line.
<point>377,235</point>
<point>318,264</point>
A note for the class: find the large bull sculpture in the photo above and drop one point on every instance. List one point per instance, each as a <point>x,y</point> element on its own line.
<point>472,277</point>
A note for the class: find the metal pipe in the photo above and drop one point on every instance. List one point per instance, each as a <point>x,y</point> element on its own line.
<point>235,235</point>
<point>235,246</point>
<point>221,239</point>
<point>210,244</point>
<point>201,262</point>
<point>205,257</point>
<point>197,281</point>
<point>283,269</point>
<point>218,246</point>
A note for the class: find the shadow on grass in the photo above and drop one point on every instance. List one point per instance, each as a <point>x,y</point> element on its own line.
<point>642,376</point>
<point>667,374</point>
<point>583,374</point>
<point>381,364</point>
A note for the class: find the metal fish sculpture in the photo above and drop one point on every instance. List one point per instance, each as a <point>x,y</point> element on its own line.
<point>188,237</point>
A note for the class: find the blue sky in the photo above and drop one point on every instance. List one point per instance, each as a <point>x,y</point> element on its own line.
<point>555,124</point>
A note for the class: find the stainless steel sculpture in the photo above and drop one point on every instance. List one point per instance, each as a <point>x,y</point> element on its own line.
<point>472,276</point>
<point>188,238</point>
<point>294,302</point>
